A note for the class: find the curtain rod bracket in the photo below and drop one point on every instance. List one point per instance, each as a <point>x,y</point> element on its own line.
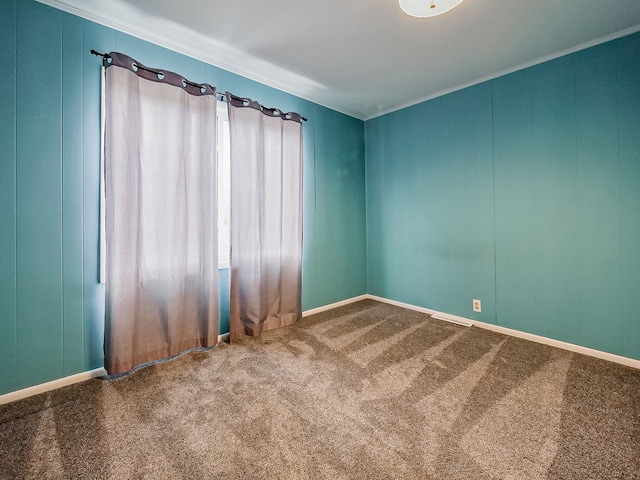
<point>98,54</point>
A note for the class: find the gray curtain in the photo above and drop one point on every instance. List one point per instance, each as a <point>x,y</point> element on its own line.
<point>266,218</point>
<point>160,215</point>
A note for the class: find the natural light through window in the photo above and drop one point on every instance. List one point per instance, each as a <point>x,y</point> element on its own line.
<point>224,181</point>
<point>224,195</point>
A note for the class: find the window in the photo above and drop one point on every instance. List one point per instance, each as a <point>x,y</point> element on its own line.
<point>224,192</point>
<point>224,184</point>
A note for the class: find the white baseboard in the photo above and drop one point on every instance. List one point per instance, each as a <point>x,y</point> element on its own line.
<point>63,382</point>
<point>591,352</point>
<point>331,306</point>
<point>46,387</point>
<point>611,357</point>
<point>435,314</point>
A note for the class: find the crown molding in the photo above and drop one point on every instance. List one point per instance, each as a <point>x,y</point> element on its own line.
<point>182,40</point>
<point>537,61</point>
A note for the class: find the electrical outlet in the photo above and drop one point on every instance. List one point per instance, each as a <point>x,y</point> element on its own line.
<point>477,305</point>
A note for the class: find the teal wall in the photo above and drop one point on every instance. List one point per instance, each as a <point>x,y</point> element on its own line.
<point>51,304</point>
<point>524,192</point>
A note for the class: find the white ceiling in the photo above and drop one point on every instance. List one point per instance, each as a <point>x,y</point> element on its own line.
<point>365,57</point>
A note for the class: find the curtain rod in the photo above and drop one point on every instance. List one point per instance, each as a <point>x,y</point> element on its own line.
<point>224,96</point>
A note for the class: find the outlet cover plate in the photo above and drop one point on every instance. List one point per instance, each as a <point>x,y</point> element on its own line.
<point>477,305</point>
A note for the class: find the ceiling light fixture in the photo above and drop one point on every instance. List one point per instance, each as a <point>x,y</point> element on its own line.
<point>427,8</point>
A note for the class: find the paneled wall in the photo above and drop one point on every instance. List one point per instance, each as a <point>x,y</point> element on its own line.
<point>523,192</point>
<point>51,304</point>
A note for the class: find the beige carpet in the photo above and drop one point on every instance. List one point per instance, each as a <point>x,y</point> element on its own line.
<point>366,391</point>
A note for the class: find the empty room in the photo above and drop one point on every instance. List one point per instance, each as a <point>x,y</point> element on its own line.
<point>381,239</point>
